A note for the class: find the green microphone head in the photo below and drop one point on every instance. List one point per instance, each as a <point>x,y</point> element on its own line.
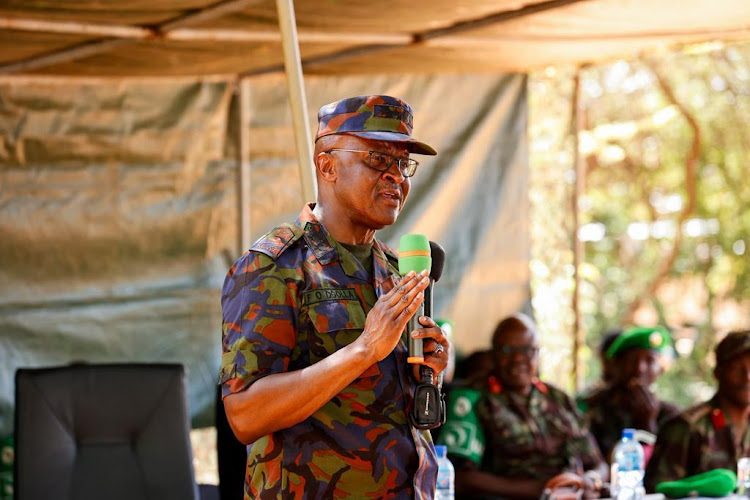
<point>414,254</point>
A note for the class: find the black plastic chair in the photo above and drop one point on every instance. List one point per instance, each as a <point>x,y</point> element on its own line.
<point>232,456</point>
<point>93,431</point>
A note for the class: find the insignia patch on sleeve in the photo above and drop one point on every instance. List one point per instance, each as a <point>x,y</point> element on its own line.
<point>462,432</point>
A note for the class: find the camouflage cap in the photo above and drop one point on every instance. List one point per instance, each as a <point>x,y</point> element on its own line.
<point>731,346</point>
<point>644,337</point>
<point>379,117</point>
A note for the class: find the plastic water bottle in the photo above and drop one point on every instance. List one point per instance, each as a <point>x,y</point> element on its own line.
<point>446,480</point>
<point>628,468</point>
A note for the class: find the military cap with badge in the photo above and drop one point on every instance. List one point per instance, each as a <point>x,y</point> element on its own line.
<point>644,337</point>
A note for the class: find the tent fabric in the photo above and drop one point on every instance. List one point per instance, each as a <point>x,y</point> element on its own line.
<point>112,199</point>
<point>205,37</point>
<point>118,210</point>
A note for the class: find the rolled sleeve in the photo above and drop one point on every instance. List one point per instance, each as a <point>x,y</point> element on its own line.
<point>259,321</point>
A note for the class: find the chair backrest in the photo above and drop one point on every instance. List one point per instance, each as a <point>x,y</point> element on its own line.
<point>93,431</point>
<point>231,455</point>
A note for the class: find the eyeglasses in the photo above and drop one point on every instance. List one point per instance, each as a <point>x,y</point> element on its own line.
<point>527,350</point>
<point>382,162</point>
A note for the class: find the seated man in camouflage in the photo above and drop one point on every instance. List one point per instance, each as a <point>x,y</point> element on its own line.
<point>512,436</point>
<point>608,371</point>
<point>713,434</point>
<point>629,402</point>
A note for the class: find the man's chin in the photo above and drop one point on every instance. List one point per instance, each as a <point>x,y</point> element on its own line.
<point>743,397</point>
<point>639,382</point>
<point>383,218</point>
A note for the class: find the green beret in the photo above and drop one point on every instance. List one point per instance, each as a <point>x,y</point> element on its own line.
<point>645,337</point>
<point>714,483</point>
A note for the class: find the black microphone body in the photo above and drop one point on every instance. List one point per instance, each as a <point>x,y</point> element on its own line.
<point>436,271</point>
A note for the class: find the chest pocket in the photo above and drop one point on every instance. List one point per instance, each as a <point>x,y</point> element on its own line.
<point>337,319</point>
<point>518,438</point>
<point>511,432</point>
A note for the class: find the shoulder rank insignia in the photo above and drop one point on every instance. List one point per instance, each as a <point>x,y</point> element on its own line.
<point>540,385</point>
<point>718,419</point>
<point>494,385</point>
<point>276,241</point>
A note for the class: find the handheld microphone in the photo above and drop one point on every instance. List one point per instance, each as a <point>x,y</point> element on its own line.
<point>417,253</point>
<point>414,255</point>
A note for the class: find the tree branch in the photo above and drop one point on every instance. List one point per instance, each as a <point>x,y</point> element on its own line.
<point>690,188</point>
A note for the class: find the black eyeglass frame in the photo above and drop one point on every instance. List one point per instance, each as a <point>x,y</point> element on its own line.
<point>384,164</point>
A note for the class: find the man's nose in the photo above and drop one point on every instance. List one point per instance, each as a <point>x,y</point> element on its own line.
<point>643,366</point>
<point>394,172</point>
<point>518,355</point>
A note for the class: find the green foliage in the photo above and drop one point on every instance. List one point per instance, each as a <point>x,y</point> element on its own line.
<point>675,219</point>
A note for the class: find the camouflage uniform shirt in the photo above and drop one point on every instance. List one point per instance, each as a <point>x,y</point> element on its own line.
<point>583,400</point>
<point>698,440</point>
<point>531,438</point>
<point>607,416</point>
<point>294,298</point>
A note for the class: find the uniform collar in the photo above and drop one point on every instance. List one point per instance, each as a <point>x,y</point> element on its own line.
<point>495,387</point>
<point>326,251</point>
<point>316,236</point>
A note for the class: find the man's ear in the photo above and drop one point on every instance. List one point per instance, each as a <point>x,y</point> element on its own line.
<point>327,168</point>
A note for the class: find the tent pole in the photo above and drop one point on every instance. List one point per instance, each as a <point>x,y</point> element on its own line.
<point>296,85</point>
<point>579,338</point>
<point>243,181</point>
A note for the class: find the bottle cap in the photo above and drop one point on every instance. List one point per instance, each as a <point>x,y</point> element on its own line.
<point>442,450</point>
<point>628,433</point>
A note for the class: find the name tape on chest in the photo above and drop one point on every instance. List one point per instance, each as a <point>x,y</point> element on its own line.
<point>324,294</point>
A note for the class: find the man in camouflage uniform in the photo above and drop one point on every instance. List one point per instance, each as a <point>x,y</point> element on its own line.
<point>713,434</point>
<point>314,371</point>
<point>608,371</point>
<point>513,436</point>
<point>629,401</point>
